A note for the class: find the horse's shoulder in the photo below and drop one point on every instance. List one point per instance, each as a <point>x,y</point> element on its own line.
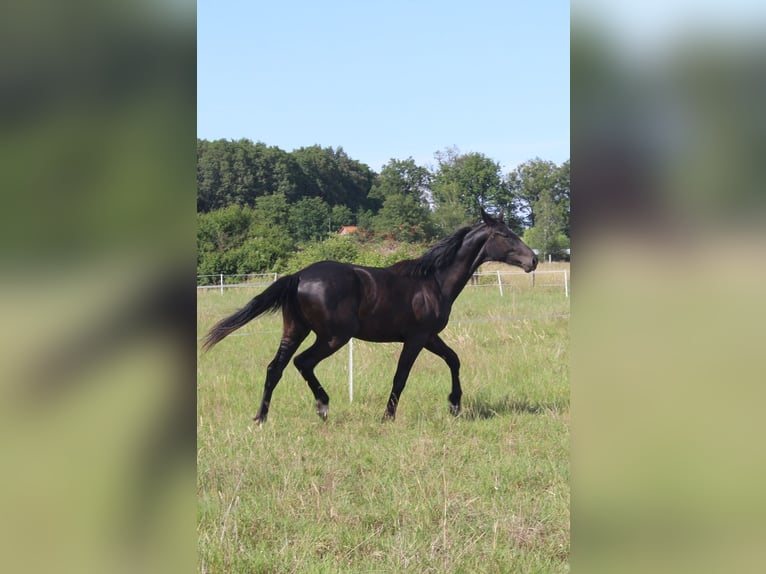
<point>425,304</point>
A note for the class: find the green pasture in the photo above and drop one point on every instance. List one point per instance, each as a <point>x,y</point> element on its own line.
<point>485,492</point>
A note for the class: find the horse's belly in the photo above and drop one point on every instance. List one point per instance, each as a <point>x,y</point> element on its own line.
<point>379,330</point>
<point>390,325</point>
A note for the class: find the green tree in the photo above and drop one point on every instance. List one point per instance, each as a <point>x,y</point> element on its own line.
<point>212,263</point>
<point>209,159</point>
<point>528,182</point>
<point>309,219</point>
<point>403,177</point>
<point>224,229</point>
<point>547,235</point>
<point>462,185</point>
<point>542,190</point>
<point>343,248</point>
<point>404,218</point>
<point>562,193</point>
<point>264,254</point>
<point>270,242</point>
<point>331,175</point>
<point>236,240</point>
<point>220,233</point>
<point>450,215</point>
<point>238,172</point>
<point>341,215</point>
<point>403,189</point>
<point>270,211</point>
<point>365,219</point>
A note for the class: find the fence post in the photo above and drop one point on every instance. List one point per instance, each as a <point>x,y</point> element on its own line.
<point>275,277</point>
<point>532,278</point>
<point>566,284</point>
<point>221,283</point>
<point>351,370</point>
<point>499,283</point>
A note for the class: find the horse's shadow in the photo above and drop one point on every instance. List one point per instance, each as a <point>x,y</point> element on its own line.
<point>482,409</point>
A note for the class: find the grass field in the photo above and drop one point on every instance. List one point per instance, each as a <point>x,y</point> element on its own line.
<point>485,492</point>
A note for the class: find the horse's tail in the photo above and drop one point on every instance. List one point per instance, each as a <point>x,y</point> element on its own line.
<point>280,293</point>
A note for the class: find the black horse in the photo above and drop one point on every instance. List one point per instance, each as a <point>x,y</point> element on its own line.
<point>408,302</point>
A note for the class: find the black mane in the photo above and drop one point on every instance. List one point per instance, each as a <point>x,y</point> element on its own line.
<point>438,257</point>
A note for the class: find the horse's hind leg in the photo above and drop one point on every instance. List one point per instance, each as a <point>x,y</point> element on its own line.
<point>290,342</point>
<point>438,347</point>
<point>307,360</point>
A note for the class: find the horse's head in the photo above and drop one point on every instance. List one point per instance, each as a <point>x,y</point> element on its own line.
<point>504,245</point>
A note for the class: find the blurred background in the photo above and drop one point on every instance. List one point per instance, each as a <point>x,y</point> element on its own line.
<point>669,142</point>
<point>97,256</point>
<point>97,152</point>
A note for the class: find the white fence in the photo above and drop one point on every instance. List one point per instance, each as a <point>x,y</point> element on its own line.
<point>221,280</point>
<point>498,279</point>
<point>542,278</point>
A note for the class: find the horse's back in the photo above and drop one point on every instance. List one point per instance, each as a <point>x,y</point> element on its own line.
<point>327,271</point>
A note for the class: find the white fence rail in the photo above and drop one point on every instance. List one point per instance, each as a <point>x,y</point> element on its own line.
<point>542,278</point>
<point>220,280</point>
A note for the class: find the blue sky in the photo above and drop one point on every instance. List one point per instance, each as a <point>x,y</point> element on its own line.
<point>383,80</point>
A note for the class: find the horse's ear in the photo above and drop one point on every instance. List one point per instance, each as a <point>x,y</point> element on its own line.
<point>486,217</point>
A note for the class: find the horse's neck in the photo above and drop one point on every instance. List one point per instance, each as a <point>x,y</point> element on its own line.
<point>468,258</point>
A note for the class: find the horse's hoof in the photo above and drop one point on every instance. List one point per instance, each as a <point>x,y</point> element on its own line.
<point>263,412</point>
<point>454,410</point>
<point>387,416</point>
<point>323,410</point>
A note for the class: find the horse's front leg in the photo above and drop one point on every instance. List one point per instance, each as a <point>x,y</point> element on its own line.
<point>407,358</point>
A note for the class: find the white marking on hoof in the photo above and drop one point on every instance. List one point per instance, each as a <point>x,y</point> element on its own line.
<point>454,410</point>
<point>323,410</point>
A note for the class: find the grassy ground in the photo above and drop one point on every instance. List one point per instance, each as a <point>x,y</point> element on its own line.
<point>485,492</point>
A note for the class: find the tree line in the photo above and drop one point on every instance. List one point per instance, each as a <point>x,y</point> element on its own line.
<point>262,209</point>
